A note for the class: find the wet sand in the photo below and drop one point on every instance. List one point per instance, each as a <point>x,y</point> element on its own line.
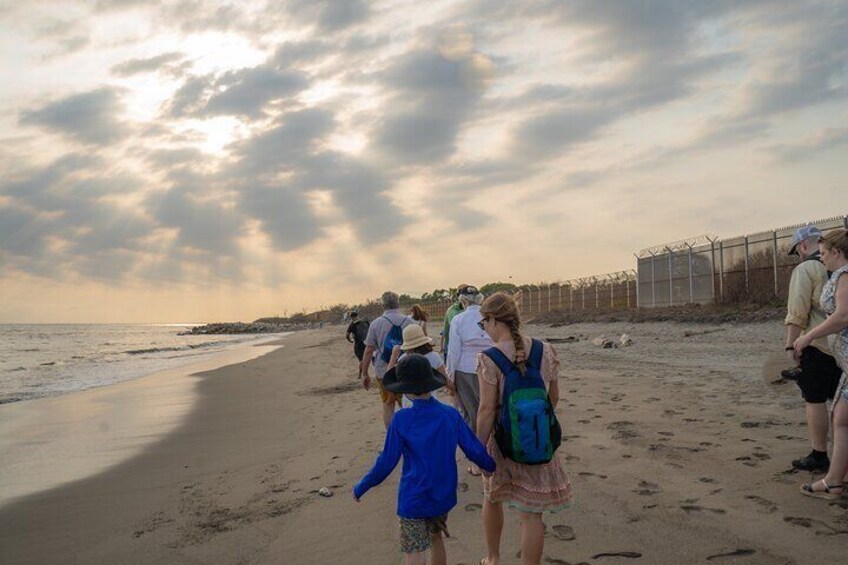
<point>678,447</point>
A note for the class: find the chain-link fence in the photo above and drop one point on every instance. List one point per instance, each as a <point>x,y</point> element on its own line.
<point>708,270</point>
<point>612,291</point>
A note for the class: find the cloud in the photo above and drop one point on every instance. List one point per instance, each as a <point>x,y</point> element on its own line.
<point>64,204</point>
<point>283,212</point>
<point>92,118</point>
<point>329,15</point>
<point>202,224</point>
<point>135,66</point>
<point>248,91</point>
<point>245,92</point>
<point>279,148</point>
<point>822,141</point>
<point>433,94</point>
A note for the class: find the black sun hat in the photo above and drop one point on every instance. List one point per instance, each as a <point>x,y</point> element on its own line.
<point>413,375</point>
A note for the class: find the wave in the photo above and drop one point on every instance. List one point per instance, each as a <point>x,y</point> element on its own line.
<point>187,347</point>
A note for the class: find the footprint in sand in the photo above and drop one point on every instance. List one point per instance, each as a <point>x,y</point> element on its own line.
<point>564,533</point>
<point>707,480</point>
<point>473,507</point>
<point>734,553</point>
<point>688,508</point>
<point>627,554</point>
<point>766,506</point>
<point>745,460</point>
<point>556,561</point>
<point>588,474</point>
<point>821,528</point>
<point>462,487</point>
<point>647,489</point>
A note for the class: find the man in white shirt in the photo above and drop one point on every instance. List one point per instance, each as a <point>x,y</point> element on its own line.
<point>375,343</point>
<point>467,339</point>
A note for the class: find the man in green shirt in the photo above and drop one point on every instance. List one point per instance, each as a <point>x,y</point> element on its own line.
<point>452,311</point>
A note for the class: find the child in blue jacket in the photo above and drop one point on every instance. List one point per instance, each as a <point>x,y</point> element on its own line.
<point>426,435</point>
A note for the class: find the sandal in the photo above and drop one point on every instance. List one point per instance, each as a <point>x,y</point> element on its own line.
<point>827,493</point>
<point>470,471</point>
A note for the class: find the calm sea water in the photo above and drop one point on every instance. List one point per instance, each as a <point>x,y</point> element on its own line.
<point>39,360</point>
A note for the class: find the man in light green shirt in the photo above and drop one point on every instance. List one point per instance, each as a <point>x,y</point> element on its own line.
<point>452,311</point>
<point>819,375</point>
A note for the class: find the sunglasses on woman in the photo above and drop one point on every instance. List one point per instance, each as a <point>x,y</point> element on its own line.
<point>481,323</point>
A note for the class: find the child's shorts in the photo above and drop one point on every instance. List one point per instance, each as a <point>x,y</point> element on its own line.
<point>415,532</point>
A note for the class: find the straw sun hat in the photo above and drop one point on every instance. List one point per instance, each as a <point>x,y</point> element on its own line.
<point>413,336</point>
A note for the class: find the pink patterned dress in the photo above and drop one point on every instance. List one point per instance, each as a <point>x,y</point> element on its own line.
<point>528,488</point>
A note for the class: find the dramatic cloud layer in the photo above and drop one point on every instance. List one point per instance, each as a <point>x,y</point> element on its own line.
<point>307,152</point>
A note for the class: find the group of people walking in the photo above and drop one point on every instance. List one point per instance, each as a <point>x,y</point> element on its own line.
<point>490,369</point>
<point>485,359</point>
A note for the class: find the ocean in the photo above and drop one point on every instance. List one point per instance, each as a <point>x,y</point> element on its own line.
<point>38,360</point>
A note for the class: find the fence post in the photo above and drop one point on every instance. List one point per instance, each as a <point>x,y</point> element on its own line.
<point>540,300</point>
<point>747,275</point>
<point>653,282</point>
<point>691,279</point>
<point>559,297</point>
<point>597,295</point>
<point>670,279</point>
<point>612,294</point>
<point>549,298</point>
<point>583,292</point>
<point>571,298</point>
<point>721,271</point>
<point>627,284</point>
<point>774,258</point>
<point>712,269</point>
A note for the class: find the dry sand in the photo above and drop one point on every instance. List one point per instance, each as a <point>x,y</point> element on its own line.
<point>679,451</point>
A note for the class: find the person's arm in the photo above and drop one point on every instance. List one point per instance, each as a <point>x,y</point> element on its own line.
<point>349,333</point>
<point>365,364</point>
<point>834,323</point>
<point>553,392</point>
<point>385,464</point>
<point>449,384</point>
<point>454,348</point>
<point>394,358</point>
<point>798,306</point>
<point>472,447</point>
<point>488,408</point>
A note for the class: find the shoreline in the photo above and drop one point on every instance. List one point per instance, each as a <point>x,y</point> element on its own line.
<point>49,441</point>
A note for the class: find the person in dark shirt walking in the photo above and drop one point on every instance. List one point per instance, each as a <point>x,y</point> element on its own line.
<point>426,436</point>
<point>357,330</point>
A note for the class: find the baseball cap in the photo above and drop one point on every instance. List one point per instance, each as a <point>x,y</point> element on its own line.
<point>801,234</point>
<point>469,291</point>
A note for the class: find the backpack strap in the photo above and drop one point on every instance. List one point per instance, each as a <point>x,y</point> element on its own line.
<point>496,355</point>
<point>536,350</point>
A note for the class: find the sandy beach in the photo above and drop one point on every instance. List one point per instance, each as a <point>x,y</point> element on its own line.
<point>678,448</point>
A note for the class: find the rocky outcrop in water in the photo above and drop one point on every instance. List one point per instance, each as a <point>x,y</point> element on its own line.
<point>250,328</point>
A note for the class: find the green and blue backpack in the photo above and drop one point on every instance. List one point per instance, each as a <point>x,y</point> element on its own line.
<point>526,428</point>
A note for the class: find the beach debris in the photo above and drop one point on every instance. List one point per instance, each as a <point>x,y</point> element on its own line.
<point>324,491</point>
<point>690,333</point>
<point>625,340</point>
<point>569,339</point>
<point>604,343</point>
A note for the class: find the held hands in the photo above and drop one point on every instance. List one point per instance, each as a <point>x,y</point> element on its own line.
<point>366,381</point>
<point>800,344</point>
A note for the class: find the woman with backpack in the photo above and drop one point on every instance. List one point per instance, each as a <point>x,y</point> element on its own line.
<point>529,478</point>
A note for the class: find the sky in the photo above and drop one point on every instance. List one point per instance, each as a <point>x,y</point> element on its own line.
<point>194,161</point>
